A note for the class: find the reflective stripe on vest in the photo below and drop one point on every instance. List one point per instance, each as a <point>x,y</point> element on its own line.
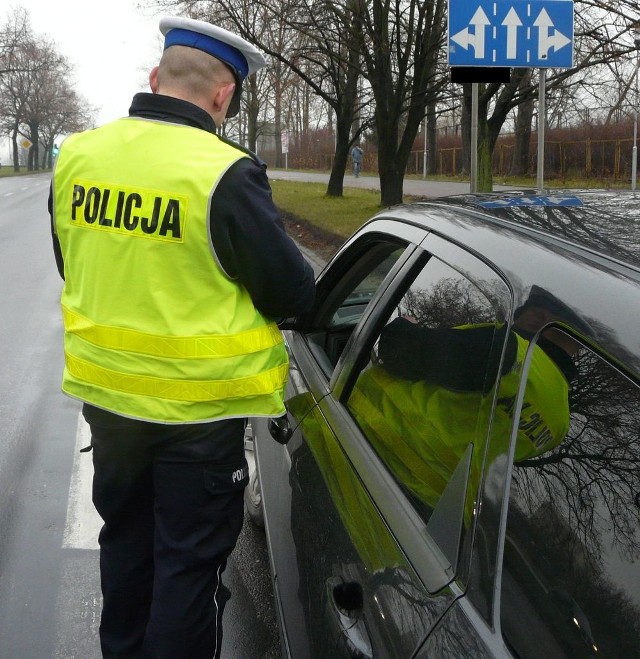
<point>185,347</point>
<point>183,390</point>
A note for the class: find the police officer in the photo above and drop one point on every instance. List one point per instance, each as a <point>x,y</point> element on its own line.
<point>175,264</point>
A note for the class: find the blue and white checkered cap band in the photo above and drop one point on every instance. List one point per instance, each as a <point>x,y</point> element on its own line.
<point>219,49</point>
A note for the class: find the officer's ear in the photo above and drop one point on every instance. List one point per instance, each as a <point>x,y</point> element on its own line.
<point>222,97</point>
<point>153,79</point>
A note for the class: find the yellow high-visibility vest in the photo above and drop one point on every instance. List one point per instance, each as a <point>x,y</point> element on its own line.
<point>154,329</point>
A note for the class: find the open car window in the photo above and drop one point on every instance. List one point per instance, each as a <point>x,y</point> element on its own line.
<point>346,296</point>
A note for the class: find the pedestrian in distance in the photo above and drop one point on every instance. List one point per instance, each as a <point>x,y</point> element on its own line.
<point>356,157</point>
<point>176,267</point>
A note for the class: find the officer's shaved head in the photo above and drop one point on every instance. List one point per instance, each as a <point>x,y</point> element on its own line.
<point>190,72</point>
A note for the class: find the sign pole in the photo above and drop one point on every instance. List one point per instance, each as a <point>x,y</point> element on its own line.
<point>424,152</point>
<point>634,152</point>
<point>542,120</point>
<point>473,179</point>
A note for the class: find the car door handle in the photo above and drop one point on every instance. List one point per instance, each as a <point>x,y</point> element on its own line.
<point>280,429</point>
<point>346,602</point>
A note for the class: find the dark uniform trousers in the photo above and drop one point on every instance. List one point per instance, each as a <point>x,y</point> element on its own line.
<point>171,498</point>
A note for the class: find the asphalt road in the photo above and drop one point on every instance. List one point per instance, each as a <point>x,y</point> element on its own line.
<point>49,581</point>
<point>413,187</point>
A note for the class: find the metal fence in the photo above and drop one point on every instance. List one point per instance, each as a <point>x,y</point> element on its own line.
<point>608,159</point>
<point>589,158</point>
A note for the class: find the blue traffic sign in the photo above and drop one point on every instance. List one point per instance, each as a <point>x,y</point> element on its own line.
<point>513,33</point>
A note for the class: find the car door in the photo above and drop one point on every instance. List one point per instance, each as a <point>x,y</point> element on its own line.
<point>571,573</point>
<point>345,291</point>
<point>367,552</point>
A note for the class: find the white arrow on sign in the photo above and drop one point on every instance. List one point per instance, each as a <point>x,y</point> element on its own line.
<point>465,38</point>
<point>512,22</point>
<point>546,41</point>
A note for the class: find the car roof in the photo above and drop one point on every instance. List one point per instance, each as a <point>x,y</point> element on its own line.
<point>581,246</point>
<point>606,221</point>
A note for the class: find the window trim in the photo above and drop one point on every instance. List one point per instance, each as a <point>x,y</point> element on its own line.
<point>344,377</point>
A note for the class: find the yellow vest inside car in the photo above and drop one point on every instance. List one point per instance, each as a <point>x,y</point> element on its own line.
<point>421,430</point>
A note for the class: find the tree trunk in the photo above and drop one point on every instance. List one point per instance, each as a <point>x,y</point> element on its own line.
<point>488,132</point>
<point>335,187</point>
<point>35,146</point>
<point>389,168</point>
<point>16,153</point>
<point>345,108</point>
<point>485,162</point>
<point>489,126</point>
<point>391,184</point>
<point>47,156</point>
<point>524,117</point>
<point>252,113</point>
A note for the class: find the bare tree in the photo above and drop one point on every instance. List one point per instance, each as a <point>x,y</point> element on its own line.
<point>14,32</point>
<point>15,87</point>
<point>36,99</point>
<point>48,71</point>
<point>325,54</point>
<point>66,113</point>
<point>403,42</point>
<point>394,46</point>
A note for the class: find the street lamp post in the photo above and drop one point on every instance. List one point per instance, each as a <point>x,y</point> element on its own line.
<point>634,152</point>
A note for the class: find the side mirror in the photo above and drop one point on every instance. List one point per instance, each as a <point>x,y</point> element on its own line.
<point>287,323</point>
<point>280,429</point>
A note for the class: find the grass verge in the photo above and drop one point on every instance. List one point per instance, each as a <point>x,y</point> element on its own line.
<point>7,170</point>
<point>338,216</point>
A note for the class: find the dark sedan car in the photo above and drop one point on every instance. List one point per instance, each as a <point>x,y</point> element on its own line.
<point>458,473</point>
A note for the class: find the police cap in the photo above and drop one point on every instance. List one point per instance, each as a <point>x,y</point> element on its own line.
<point>238,54</point>
<point>541,297</point>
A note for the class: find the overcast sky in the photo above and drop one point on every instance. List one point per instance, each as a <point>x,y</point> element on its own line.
<point>110,44</point>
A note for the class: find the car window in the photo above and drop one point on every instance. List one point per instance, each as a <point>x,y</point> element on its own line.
<point>571,575</point>
<point>344,298</point>
<point>363,284</point>
<point>423,398</point>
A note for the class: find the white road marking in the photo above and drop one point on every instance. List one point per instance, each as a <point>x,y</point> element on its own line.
<point>83,522</point>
